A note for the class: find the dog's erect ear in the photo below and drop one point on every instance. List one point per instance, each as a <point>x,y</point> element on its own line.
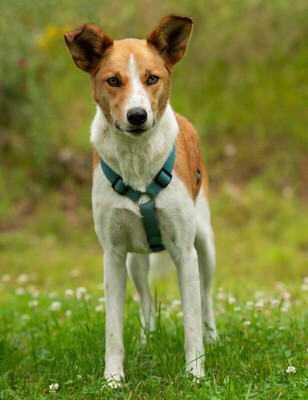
<point>170,37</point>
<point>87,46</point>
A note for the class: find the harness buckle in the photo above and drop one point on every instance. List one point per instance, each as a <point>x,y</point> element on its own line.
<point>163,178</point>
<point>119,186</point>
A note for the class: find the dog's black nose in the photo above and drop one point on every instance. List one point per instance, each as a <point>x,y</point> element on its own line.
<point>137,116</point>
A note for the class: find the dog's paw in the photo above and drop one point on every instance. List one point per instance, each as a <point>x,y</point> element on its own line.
<point>211,335</point>
<point>195,370</point>
<point>114,381</point>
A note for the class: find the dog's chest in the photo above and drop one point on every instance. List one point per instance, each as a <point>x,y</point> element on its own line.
<point>118,221</point>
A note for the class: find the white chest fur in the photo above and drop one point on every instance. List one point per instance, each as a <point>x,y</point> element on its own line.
<point>118,222</point>
<point>137,160</point>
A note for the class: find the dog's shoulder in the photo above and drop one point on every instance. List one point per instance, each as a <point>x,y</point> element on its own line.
<point>189,158</point>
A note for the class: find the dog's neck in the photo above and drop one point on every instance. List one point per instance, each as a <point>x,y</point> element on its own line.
<point>136,159</point>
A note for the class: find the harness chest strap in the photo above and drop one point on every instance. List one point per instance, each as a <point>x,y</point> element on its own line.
<point>161,181</point>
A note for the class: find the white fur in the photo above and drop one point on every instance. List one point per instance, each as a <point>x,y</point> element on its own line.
<point>118,224</point>
<point>138,95</point>
<point>137,160</point>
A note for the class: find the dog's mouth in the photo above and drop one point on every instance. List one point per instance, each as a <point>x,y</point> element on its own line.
<point>134,130</point>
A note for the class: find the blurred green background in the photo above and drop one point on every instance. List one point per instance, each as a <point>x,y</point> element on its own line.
<point>242,82</point>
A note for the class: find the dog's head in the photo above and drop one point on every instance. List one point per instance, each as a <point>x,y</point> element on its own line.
<point>131,78</point>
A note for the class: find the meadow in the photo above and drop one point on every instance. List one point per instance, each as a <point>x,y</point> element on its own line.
<point>243,83</point>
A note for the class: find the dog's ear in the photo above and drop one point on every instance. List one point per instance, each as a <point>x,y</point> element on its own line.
<point>170,38</point>
<point>87,46</point>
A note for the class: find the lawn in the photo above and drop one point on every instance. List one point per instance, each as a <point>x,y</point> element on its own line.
<point>243,83</point>
<point>52,332</point>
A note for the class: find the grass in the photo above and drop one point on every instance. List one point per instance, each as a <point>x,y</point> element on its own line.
<point>246,96</point>
<point>40,347</point>
<point>261,258</point>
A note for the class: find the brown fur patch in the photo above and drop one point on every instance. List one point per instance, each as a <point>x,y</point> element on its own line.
<point>189,158</point>
<point>95,159</point>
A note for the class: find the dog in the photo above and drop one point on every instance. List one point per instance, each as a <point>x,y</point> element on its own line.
<point>150,188</point>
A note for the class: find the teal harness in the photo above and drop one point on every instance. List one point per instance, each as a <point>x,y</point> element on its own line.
<point>161,181</point>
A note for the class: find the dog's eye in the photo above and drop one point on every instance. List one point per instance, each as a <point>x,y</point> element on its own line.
<point>114,82</point>
<point>152,79</point>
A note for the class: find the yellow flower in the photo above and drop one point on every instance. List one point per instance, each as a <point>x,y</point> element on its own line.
<point>50,34</point>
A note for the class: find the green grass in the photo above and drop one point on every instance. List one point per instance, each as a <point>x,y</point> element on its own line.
<point>260,255</point>
<point>40,347</point>
<point>243,83</point>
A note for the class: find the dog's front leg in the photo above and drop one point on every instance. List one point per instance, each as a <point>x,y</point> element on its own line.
<point>188,277</point>
<point>115,290</point>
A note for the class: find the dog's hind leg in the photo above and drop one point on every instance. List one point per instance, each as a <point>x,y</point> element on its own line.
<point>138,266</point>
<point>204,243</point>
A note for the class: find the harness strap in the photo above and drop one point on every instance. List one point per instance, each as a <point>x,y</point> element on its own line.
<point>151,226</point>
<point>161,181</point>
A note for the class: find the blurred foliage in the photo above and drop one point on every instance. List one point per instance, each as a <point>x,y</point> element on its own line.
<point>244,79</point>
<point>243,83</point>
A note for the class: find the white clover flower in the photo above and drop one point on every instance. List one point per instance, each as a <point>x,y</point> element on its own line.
<point>69,293</point>
<point>237,309</point>
<point>176,303</point>
<point>88,297</point>
<point>291,370</point>
<point>35,293</point>
<point>220,296</point>
<point>180,314</point>
<point>101,300</point>
<point>25,317</point>
<point>231,299</point>
<point>6,278</point>
<point>99,308</point>
<point>20,291</point>
<point>285,308</point>
<point>79,377</point>
<point>247,323</point>
<point>53,295</point>
<point>55,306</point>
<point>33,303</point>
<point>74,273</point>
<point>249,304</point>
<point>68,313</point>
<point>282,328</point>
<point>286,296</point>
<point>80,292</point>
<point>22,279</point>
<point>259,305</point>
<point>53,387</point>
<point>304,287</point>
<point>275,302</point>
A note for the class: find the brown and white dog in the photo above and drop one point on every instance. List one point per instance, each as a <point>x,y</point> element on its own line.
<point>134,131</point>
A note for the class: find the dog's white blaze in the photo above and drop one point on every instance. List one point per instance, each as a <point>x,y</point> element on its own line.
<point>138,96</point>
